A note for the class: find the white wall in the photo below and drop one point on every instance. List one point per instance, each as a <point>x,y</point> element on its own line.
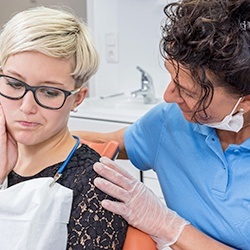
<point>8,8</point>
<point>137,26</point>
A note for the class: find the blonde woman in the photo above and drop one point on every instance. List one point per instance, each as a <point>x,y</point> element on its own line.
<point>48,199</point>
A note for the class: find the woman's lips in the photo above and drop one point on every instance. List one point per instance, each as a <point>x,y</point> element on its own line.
<point>28,124</point>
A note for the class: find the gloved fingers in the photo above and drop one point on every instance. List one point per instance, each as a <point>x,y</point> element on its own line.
<point>112,189</point>
<point>115,207</point>
<point>113,175</point>
<point>111,164</point>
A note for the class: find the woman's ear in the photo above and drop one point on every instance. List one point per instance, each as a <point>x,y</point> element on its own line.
<point>80,96</point>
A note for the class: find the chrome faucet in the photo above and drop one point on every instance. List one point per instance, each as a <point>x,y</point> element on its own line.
<point>147,88</point>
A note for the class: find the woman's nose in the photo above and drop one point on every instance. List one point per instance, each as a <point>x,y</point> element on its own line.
<point>172,94</point>
<point>28,104</point>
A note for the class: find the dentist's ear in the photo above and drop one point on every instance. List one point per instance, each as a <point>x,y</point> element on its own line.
<point>245,103</point>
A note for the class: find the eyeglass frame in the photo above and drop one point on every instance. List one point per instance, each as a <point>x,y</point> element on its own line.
<point>34,89</point>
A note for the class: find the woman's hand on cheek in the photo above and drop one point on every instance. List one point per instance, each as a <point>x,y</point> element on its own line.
<point>8,149</point>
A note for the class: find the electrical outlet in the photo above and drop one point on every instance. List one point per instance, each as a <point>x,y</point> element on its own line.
<point>111,41</point>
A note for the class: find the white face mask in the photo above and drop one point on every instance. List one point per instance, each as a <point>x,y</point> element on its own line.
<point>230,122</point>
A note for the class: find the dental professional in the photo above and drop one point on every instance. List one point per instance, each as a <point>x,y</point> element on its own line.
<point>198,140</point>
<point>48,199</point>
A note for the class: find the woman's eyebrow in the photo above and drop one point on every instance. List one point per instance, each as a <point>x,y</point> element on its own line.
<point>53,83</point>
<point>19,77</point>
<point>13,72</point>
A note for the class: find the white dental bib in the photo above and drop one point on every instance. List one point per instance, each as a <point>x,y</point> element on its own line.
<point>34,215</point>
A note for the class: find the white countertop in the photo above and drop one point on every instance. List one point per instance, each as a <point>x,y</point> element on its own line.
<point>123,109</point>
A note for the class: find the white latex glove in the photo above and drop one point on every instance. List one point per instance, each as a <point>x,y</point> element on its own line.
<point>138,205</point>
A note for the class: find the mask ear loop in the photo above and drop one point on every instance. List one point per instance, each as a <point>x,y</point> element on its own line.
<point>241,111</point>
<point>236,105</point>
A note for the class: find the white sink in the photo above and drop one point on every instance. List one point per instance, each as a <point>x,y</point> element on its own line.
<point>118,108</point>
<point>123,102</point>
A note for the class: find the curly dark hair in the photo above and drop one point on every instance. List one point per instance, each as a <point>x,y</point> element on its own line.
<point>210,36</point>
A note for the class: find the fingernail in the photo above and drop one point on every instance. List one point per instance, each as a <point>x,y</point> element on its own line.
<point>102,158</point>
<point>97,166</point>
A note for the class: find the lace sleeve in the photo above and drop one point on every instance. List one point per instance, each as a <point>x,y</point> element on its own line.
<point>91,226</point>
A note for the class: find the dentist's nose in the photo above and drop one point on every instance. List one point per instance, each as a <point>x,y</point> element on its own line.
<point>172,94</point>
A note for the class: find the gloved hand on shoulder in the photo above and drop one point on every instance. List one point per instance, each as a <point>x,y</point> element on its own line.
<point>138,204</point>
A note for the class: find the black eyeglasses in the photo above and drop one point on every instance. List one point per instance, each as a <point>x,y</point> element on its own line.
<point>46,97</point>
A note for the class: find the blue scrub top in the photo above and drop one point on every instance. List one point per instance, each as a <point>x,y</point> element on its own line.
<point>207,186</point>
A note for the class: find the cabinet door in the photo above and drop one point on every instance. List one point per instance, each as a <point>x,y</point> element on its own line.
<point>76,123</point>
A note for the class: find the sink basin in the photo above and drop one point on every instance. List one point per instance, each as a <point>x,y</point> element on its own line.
<point>118,103</point>
<point>122,108</point>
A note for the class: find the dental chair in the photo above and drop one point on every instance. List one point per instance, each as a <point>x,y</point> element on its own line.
<point>135,239</point>
<point>109,149</point>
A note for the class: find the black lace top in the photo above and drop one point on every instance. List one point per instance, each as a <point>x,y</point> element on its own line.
<point>90,226</point>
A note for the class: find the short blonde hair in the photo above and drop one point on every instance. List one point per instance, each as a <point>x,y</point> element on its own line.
<point>53,32</point>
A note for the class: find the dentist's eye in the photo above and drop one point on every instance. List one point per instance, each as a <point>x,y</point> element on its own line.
<point>184,93</point>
